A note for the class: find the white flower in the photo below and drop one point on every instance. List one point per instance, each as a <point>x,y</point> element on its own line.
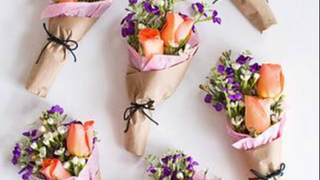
<point>234,104</point>
<point>75,160</point>
<point>59,152</point>
<point>82,161</point>
<point>256,76</point>
<point>141,26</point>
<point>46,142</point>
<point>43,152</point>
<point>237,121</point>
<point>180,176</point>
<point>67,165</point>
<point>39,162</point>
<point>42,129</point>
<point>51,121</point>
<point>55,134</point>
<point>34,145</point>
<point>62,129</point>
<point>48,136</point>
<point>246,75</point>
<point>236,66</point>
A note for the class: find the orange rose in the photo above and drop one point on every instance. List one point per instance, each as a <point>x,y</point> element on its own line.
<point>176,29</point>
<point>52,169</point>
<point>257,116</point>
<point>271,81</point>
<point>80,139</point>
<point>151,42</point>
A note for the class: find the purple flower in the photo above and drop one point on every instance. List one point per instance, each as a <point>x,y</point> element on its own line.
<point>230,71</point>
<point>166,159</point>
<point>208,98</point>
<point>221,69</point>
<point>235,97</point>
<point>243,59</point>
<point>27,172</point>
<point>198,7</point>
<point>255,68</point>
<point>128,29</point>
<point>128,18</point>
<point>152,170</point>
<point>32,133</point>
<point>215,17</point>
<point>133,1</point>
<point>219,107</point>
<point>56,109</point>
<point>29,150</point>
<point>16,154</point>
<point>230,80</point>
<point>151,8</point>
<point>190,167</point>
<point>166,171</point>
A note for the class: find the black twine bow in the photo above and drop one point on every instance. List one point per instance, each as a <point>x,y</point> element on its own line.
<point>65,43</point>
<point>278,173</point>
<point>135,107</point>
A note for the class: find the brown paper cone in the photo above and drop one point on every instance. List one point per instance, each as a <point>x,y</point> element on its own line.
<point>258,12</point>
<point>145,86</point>
<point>54,55</point>
<point>265,159</point>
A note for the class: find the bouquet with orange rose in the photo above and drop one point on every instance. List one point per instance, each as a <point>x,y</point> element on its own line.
<point>252,96</point>
<point>161,44</point>
<point>57,150</point>
<point>258,12</point>
<point>69,21</point>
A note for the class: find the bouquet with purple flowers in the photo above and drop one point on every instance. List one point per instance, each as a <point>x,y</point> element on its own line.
<point>57,150</point>
<point>251,95</point>
<point>175,165</point>
<point>161,44</point>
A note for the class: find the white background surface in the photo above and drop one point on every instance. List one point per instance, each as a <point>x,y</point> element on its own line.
<point>94,88</point>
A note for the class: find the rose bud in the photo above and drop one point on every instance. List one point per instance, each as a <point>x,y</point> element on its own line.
<point>53,169</point>
<point>257,115</point>
<point>176,30</point>
<point>271,81</point>
<point>151,42</point>
<point>80,139</point>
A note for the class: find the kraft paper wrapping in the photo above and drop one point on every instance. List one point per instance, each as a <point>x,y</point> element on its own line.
<point>145,86</point>
<point>90,171</point>
<point>258,12</point>
<point>265,159</point>
<point>54,56</point>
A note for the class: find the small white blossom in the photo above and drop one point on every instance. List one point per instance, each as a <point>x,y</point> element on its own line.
<point>51,121</point>
<point>62,129</point>
<point>59,152</point>
<point>246,75</point>
<point>43,152</point>
<point>67,165</point>
<point>46,142</point>
<point>82,161</point>
<point>34,145</point>
<point>180,176</point>
<point>141,26</point>
<point>256,76</point>
<point>42,129</point>
<point>48,136</point>
<point>39,162</point>
<point>236,66</point>
<point>55,134</point>
<point>75,160</point>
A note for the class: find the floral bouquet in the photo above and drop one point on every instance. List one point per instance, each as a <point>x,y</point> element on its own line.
<point>258,12</point>
<point>69,21</point>
<point>161,44</point>
<point>175,165</point>
<point>58,150</point>
<point>251,94</point>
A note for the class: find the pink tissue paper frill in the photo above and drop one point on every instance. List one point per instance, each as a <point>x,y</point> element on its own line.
<point>246,142</point>
<point>76,9</point>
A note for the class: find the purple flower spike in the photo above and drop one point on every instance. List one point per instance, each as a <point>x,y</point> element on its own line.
<point>16,154</point>
<point>235,97</point>
<point>219,107</point>
<point>56,109</point>
<point>198,7</point>
<point>243,59</point>
<point>151,170</point>
<point>133,1</point>
<point>208,99</point>
<point>128,18</point>
<point>128,29</point>
<point>215,17</point>
<point>230,71</point>
<point>151,8</point>
<point>255,68</point>
<point>166,171</point>
<point>221,69</point>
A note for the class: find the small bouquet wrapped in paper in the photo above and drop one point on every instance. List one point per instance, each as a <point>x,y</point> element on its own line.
<point>161,44</point>
<point>69,21</point>
<point>57,150</point>
<point>258,12</point>
<point>175,165</point>
<point>252,96</point>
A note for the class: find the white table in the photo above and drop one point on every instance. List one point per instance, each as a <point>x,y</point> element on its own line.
<point>94,88</point>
